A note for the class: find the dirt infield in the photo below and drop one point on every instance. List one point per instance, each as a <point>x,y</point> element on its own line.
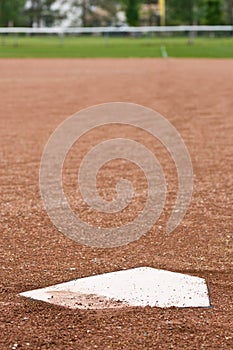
<point>37,95</point>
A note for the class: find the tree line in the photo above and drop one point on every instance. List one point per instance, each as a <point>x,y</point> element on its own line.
<point>105,12</point>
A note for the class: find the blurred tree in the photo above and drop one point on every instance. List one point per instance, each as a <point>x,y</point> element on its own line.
<point>40,12</point>
<point>229,11</point>
<point>11,12</point>
<point>213,10</point>
<point>102,12</point>
<point>132,9</point>
<point>184,12</point>
<point>80,9</point>
<point>91,12</point>
<point>149,14</point>
<point>85,6</point>
<point>109,5</point>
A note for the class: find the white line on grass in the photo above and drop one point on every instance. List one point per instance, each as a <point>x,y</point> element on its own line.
<point>164,51</point>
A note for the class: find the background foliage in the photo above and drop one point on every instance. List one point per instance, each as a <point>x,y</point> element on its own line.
<point>104,12</point>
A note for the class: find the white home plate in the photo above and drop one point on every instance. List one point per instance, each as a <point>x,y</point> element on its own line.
<point>135,287</point>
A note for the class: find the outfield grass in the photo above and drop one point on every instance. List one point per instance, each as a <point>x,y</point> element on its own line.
<point>71,47</point>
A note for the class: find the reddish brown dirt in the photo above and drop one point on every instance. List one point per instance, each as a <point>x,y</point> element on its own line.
<point>37,95</point>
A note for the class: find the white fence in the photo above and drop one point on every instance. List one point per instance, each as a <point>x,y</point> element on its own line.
<point>124,29</point>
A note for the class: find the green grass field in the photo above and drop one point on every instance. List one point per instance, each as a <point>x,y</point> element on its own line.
<point>89,46</point>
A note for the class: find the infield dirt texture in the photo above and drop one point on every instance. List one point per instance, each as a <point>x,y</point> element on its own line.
<point>36,96</point>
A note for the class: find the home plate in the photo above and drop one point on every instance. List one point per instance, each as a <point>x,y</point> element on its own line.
<point>143,286</point>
